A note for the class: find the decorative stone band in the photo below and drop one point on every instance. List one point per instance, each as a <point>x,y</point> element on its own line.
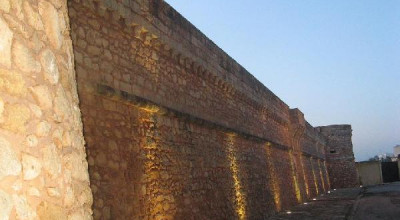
<point>148,105</point>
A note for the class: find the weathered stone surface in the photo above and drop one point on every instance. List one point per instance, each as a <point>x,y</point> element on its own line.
<point>17,186</point>
<point>50,19</point>
<point>23,208</point>
<point>17,115</point>
<point>49,64</point>
<point>53,192</point>
<point>5,41</point>
<point>66,139</point>
<point>17,6</point>
<point>36,62</point>
<point>101,159</point>
<point>33,191</point>
<point>43,129</point>
<point>61,106</point>
<point>31,167</point>
<point>1,110</point>
<point>24,58</point>
<point>32,16</point>
<point>93,50</point>
<point>31,140</point>
<point>42,96</point>
<point>80,215</point>
<point>52,161</point>
<point>6,205</point>
<point>5,5</point>
<point>49,211</point>
<point>76,165</point>
<point>35,110</point>
<point>57,3</point>
<point>69,198</point>
<point>57,137</point>
<point>12,82</point>
<point>18,27</point>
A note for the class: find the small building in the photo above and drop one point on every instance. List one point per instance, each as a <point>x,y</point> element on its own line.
<point>396,150</point>
<point>378,172</point>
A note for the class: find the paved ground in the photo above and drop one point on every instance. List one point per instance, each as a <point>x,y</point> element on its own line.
<point>367,203</point>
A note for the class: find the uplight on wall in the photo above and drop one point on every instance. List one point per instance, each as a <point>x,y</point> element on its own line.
<point>239,197</point>
<point>274,178</point>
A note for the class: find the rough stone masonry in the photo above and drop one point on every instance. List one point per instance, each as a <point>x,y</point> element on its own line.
<point>174,127</point>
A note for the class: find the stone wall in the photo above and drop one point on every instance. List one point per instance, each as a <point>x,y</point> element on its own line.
<point>43,168</point>
<point>176,129</point>
<point>340,157</point>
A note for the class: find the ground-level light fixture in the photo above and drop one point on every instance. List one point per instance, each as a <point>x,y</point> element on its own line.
<point>288,212</point>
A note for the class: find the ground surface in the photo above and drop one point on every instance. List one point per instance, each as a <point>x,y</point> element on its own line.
<point>373,202</point>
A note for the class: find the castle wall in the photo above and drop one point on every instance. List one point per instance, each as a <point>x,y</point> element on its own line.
<point>176,129</point>
<point>340,157</point>
<point>43,168</point>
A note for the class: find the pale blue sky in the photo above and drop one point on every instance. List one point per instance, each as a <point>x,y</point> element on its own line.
<point>337,61</point>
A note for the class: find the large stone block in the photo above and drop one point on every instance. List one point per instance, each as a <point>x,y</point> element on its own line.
<point>50,18</point>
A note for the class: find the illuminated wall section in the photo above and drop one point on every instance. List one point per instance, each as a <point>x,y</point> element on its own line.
<point>326,174</point>
<point>274,182</point>
<point>305,179</point>
<point>294,176</point>
<point>240,200</point>
<point>314,177</point>
<point>322,178</point>
<point>159,201</point>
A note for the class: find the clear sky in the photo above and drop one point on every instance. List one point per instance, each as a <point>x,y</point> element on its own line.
<point>337,61</point>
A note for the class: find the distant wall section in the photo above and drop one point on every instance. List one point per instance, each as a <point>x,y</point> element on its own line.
<point>339,156</point>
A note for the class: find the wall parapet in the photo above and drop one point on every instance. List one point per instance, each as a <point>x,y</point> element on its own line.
<point>267,108</point>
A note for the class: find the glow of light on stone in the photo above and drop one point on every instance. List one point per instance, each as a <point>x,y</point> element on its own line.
<point>273,178</point>
<point>315,177</point>
<point>304,177</point>
<point>327,175</point>
<point>149,108</point>
<point>240,201</point>
<point>322,176</point>
<point>157,205</point>
<point>288,212</point>
<point>295,182</point>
